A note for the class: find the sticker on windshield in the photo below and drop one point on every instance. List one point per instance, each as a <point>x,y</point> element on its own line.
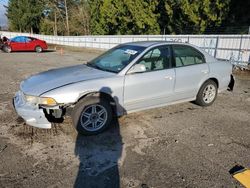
<point>130,52</point>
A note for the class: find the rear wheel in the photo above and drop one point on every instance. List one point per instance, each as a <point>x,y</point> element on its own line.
<point>207,93</point>
<point>38,49</point>
<point>92,115</point>
<point>7,49</point>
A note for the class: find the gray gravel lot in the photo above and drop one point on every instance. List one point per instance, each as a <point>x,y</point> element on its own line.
<point>176,146</point>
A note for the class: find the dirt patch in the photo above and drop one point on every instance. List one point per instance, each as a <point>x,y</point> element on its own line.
<point>176,146</point>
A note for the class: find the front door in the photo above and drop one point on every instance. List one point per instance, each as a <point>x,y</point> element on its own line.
<point>155,86</point>
<point>18,43</point>
<point>17,46</point>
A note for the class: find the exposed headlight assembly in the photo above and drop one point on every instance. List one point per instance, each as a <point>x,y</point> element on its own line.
<point>46,101</point>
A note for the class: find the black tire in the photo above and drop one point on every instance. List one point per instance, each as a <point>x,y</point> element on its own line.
<point>6,49</point>
<point>38,49</point>
<point>202,99</point>
<point>85,104</point>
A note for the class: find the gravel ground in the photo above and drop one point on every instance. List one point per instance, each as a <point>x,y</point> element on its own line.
<point>176,146</point>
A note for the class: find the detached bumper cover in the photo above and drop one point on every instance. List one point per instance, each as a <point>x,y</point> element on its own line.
<point>31,114</point>
<point>231,84</point>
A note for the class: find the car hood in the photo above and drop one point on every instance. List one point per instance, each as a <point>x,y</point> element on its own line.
<point>46,81</point>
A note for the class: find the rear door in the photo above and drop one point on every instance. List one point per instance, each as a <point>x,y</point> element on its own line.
<point>155,86</point>
<point>30,44</point>
<point>191,69</point>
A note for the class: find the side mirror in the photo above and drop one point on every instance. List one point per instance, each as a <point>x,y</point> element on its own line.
<point>138,68</point>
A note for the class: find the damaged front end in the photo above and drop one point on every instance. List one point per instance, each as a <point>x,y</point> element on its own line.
<point>36,112</point>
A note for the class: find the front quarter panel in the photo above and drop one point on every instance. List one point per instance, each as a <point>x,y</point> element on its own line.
<point>70,94</point>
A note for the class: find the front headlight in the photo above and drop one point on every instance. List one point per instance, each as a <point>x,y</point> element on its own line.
<point>31,99</point>
<point>47,101</point>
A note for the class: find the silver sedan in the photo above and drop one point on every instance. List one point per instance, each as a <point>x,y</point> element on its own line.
<point>128,78</point>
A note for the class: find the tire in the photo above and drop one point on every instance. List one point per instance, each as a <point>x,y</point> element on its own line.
<point>88,121</point>
<point>207,93</point>
<point>38,49</point>
<point>7,49</point>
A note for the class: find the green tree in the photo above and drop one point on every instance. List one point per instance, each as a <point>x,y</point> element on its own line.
<point>54,18</point>
<point>191,16</point>
<point>47,27</point>
<point>24,15</point>
<point>124,17</point>
<point>103,17</point>
<point>238,19</point>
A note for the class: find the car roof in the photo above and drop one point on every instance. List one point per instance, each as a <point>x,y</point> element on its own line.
<point>147,44</point>
<point>23,37</point>
<point>19,37</point>
<point>151,43</point>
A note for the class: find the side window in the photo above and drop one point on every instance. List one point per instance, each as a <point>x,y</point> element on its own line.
<point>19,39</point>
<point>28,39</point>
<point>185,55</point>
<point>156,59</point>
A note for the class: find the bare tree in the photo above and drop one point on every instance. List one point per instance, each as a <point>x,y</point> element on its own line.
<point>67,16</point>
<point>79,19</point>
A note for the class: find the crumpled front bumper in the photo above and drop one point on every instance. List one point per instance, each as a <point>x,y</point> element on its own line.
<point>31,114</point>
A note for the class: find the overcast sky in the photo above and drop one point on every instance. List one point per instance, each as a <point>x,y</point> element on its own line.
<point>3,19</point>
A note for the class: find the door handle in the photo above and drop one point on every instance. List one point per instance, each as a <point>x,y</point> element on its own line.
<point>169,77</point>
<point>204,71</point>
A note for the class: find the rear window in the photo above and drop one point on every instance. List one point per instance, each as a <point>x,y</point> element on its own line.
<point>185,55</point>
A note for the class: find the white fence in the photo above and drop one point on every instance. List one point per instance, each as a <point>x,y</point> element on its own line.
<point>228,47</point>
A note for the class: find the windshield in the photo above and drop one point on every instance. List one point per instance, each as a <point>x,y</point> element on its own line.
<point>117,58</point>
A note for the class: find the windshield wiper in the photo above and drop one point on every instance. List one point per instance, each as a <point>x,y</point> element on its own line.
<point>99,68</point>
<point>94,66</point>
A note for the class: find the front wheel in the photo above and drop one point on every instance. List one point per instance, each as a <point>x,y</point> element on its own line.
<point>92,115</point>
<point>7,49</point>
<point>207,93</point>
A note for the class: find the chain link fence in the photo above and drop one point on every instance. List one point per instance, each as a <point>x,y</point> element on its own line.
<point>234,48</point>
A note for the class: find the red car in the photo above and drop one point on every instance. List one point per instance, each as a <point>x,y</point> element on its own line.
<point>22,43</point>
